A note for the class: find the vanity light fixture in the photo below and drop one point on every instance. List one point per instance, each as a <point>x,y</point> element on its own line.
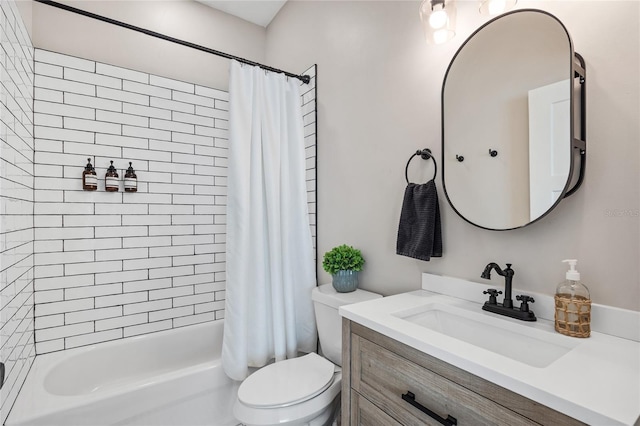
<point>496,7</point>
<point>439,16</point>
<point>438,20</point>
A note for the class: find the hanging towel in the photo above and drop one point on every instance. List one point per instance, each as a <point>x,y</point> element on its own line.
<point>419,233</point>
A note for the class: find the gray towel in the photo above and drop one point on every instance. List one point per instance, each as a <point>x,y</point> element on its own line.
<point>419,233</point>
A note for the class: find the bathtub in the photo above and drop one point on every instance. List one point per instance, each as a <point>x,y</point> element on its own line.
<point>172,377</point>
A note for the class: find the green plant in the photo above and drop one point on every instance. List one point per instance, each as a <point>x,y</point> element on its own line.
<point>343,257</point>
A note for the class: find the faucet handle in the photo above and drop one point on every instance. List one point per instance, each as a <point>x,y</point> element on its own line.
<point>524,306</point>
<point>493,293</point>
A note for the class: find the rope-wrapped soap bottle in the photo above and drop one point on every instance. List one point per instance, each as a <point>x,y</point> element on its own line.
<point>573,305</point>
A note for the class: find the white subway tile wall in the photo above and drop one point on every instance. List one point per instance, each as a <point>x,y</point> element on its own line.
<point>308,93</point>
<point>113,265</point>
<point>17,349</point>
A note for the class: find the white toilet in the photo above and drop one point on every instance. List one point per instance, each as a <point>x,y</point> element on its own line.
<point>305,390</point>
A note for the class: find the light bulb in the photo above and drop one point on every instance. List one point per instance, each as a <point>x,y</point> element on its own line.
<point>440,36</point>
<point>497,6</point>
<point>438,19</point>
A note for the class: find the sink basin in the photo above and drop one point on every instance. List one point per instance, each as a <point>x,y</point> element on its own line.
<point>531,346</point>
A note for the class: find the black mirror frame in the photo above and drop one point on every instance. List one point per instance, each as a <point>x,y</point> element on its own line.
<point>578,70</point>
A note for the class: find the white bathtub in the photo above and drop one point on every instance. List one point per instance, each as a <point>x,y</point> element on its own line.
<point>172,377</point>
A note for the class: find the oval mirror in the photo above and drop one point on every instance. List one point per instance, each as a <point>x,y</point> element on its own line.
<point>508,101</point>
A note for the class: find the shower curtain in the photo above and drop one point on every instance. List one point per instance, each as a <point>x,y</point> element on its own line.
<point>270,265</point>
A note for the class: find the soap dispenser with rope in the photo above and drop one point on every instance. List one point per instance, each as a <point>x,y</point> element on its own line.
<point>572,305</point>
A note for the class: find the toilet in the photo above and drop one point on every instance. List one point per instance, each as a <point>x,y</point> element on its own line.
<point>304,390</point>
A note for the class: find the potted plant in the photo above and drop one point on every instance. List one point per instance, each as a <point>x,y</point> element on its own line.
<point>343,263</point>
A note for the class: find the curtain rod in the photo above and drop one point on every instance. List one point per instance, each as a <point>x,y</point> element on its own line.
<point>304,78</point>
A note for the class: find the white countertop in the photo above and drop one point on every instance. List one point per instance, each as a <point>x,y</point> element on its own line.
<point>597,382</point>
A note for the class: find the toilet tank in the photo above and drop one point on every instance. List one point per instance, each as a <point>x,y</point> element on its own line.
<point>326,301</point>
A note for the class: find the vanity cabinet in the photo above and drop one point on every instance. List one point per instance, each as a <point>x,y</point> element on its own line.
<point>378,371</point>
<point>364,412</point>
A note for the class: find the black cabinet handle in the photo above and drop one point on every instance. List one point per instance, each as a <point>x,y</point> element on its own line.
<point>411,399</point>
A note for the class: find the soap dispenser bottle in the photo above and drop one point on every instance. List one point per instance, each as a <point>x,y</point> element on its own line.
<point>111,179</point>
<point>130,180</point>
<point>573,305</point>
<point>89,177</point>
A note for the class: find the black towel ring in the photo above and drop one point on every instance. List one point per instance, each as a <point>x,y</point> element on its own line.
<point>425,154</point>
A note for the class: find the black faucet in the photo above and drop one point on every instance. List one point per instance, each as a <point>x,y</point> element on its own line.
<point>506,307</point>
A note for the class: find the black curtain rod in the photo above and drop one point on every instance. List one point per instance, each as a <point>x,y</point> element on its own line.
<point>304,78</point>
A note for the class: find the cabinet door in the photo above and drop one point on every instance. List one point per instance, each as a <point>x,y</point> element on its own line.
<point>383,377</point>
<point>364,413</point>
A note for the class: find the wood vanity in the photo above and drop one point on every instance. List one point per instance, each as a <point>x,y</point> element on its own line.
<point>378,370</point>
<point>433,356</point>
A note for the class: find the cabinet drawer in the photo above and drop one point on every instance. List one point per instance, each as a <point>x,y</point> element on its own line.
<point>382,377</point>
<point>364,413</point>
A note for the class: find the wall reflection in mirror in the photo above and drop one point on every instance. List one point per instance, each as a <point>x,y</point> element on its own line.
<point>507,110</point>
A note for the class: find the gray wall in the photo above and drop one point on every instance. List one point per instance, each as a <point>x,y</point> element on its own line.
<point>379,100</point>
<point>63,32</point>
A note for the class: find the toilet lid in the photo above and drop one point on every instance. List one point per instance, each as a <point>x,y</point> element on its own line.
<point>287,382</point>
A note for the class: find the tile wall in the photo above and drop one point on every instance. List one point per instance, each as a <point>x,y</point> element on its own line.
<point>114,265</point>
<point>17,349</point>
<point>308,93</point>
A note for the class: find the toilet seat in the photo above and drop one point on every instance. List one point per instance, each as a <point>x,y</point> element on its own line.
<point>288,382</point>
<point>307,412</point>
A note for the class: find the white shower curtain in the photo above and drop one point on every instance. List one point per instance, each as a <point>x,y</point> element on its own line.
<point>270,265</point>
